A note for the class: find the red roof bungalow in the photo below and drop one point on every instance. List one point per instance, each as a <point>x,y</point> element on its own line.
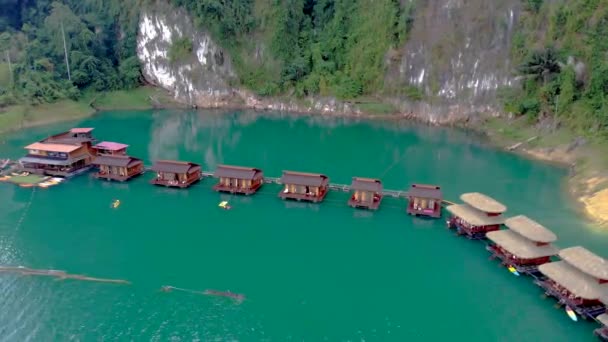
<point>110,148</point>
<point>74,135</point>
<point>301,186</point>
<point>118,168</point>
<point>55,159</point>
<point>478,215</point>
<point>238,180</point>
<point>579,280</point>
<point>424,200</point>
<point>367,193</point>
<point>175,173</point>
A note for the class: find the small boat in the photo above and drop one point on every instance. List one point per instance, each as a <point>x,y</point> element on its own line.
<point>571,314</point>
<point>513,270</point>
<point>116,204</point>
<point>224,205</point>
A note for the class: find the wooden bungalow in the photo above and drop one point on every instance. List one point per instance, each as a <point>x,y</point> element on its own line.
<point>424,200</point>
<point>238,180</point>
<point>175,173</point>
<point>579,281</point>
<point>525,245</point>
<point>301,186</point>
<point>118,168</point>
<point>54,159</point>
<point>366,193</point>
<point>110,148</point>
<point>478,215</point>
<point>602,332</point>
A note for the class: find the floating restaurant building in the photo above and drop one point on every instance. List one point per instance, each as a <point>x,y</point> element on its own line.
<point>579,280</point>
<point>118,168</point>
<point>424,200</point>
<point>238,180</point>
<point>366,193</point>
<point>300,186</point>
<point>54,159</point>
<point>525,245</point>
<point>110,148</point>
<point>478,215</point>
<point>175,173</point>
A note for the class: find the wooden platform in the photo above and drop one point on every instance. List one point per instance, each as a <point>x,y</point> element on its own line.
<point>112,177</point>
<point>301,197</point>
<point>235,190</point>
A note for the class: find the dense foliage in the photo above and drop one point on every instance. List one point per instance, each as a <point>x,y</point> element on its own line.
<point>60,49</point>
<point>327,47</point>
<point>562,52</point>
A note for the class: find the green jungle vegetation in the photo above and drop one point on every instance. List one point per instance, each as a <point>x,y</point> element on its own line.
<point>304,47</point>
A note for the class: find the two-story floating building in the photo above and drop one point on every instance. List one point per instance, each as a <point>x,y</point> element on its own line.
<point>478,215</point>
<point>238,180</point>
<point>525,245</point>
<point>119,168</point>
<point>176,173</point>
<point>424,200</point>
<point>579,281</point>
<point>51,159</point>
<point>602,332</point>
<point>366,193</point>
<point>78,135</point>
<point>300,186</point>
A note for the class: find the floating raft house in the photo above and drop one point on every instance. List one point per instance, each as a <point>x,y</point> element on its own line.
<point>525,245</point>
<point>110,148</point>
<point>79,135</point>
<point>602,332</point>
<point>424,200</point>
<point>56,159</point>
<point>300,186</point>
<point>579,280</point>
<point>118,168</point>
<point>478,215</point>
<point>176,173</point>
<point>366,193</point>
<point>238,180</point>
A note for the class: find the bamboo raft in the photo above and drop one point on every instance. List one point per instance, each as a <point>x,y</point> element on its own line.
<point>60,275</point>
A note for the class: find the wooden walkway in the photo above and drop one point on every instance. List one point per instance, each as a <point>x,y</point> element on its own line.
<point>337,187</point>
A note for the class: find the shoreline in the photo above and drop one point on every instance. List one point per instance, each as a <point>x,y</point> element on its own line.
<point>587,184</point>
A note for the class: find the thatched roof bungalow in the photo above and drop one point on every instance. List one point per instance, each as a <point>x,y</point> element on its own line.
<point>525,245</point>
<point>478,215</point>
<point>580,280</point>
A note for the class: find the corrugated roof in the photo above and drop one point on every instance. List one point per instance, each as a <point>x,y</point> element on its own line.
<point>111,146</point>
<point>302,178</point>
<point>174,166</point>
<point>578,283</point>
<point>121,161</point>
<point>366,184</point>
<point>81,130</point>
<point>483,202</point>
<point>64,148</point>
<point>473,216</point>
<point>425,191</point>
<point>519,245</point>
<point>229,171</point>
<point>603,318</point>
<point>586,261</point>
<point>530,229</point>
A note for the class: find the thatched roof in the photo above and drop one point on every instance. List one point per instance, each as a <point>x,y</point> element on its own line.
<point>530,229</point>
<point>586,261</point>
<point>425,191</point>
<point>175,166</point>
<point>473,216</point>
<point>302,178</point>
<point>483,203</point>
<point>519,245</point>
<point>603,318</point>
<point>366,184</point>
<point>578,283</point>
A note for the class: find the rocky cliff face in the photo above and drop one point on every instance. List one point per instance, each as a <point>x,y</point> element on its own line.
<point>457,53</point>
<point>201,78</point>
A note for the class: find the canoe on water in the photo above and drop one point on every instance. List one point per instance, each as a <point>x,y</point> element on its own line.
<point>571,314</point>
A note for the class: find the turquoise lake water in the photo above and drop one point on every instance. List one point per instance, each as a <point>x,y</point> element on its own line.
<point>309,272</point>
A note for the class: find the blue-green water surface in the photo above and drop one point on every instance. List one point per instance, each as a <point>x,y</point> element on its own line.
<point>310,272</point>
